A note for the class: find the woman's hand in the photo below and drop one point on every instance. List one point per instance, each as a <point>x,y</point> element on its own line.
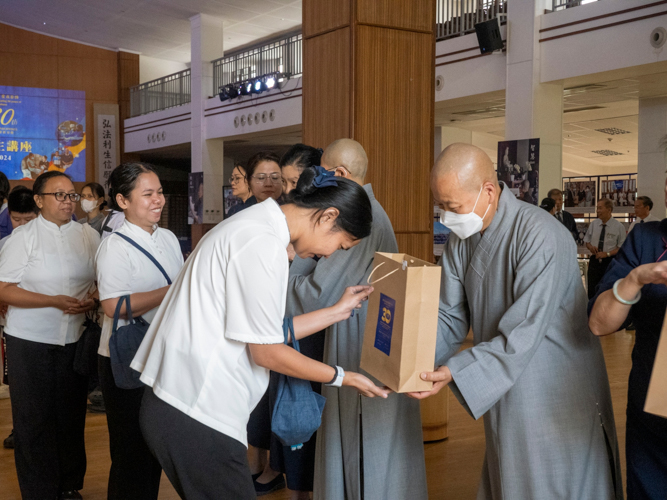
<point>353,298</point>
<point>364,385</point>
<point>83,306</point>
<point>64,303</point>
<point>649,274</point>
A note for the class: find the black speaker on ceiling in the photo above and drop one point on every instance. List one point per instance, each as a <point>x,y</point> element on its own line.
<point>488,36</point>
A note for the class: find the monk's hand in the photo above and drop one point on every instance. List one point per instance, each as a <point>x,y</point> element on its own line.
<point>600,255</point>
<point>364,385</point>
<point>440,378</point>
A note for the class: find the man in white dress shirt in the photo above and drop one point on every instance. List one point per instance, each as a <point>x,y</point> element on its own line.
<point>643,207</point>
<point>603,239</point>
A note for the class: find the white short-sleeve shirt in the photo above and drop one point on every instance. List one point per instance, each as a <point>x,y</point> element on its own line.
<point>44,258</point>
<point>614,234</point>
<point>231,292</point>
<point>123,270</point>
<point>649,218</point>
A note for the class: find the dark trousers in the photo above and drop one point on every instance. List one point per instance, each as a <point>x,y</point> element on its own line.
<point>135,473</point>
<point>49,413</point>
<point>596,270</point>
<point>201,463</point>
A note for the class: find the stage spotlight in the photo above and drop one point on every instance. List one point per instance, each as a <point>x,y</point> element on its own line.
<point>232,91</point>
<point>259,86</point>
<point>246,87</point>
<point>270,82</point>
<point>224,94</point>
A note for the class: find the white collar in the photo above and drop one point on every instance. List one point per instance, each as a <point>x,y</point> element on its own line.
<point>139,232</point>
<point>54,227</point>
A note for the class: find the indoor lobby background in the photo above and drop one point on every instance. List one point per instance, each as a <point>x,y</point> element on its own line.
<point>405,79</point>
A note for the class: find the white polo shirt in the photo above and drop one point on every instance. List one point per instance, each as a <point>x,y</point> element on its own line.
<point>231,292</point>
<point>123,270</point>
<point>44,258</point>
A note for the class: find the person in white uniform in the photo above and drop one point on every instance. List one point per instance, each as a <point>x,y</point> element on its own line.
<point>122,269</point>
<point>643,207</point>
<point>47,275</point>
<point>208,352</point>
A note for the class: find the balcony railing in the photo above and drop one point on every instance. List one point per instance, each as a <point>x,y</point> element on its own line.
<point>282,56</point>
<point>458,17</point>
<point>568,4</point>
<point>163,93</point>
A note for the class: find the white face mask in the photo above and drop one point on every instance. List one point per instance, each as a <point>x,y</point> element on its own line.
<point>88,205</point>
<point>464,225</point>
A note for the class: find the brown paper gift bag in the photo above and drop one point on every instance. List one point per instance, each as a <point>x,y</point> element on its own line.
<point>402,321</point>
<point>656,398</point>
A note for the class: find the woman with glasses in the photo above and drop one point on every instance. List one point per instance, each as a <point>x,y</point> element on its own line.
<point>93,203</point>
<point>47,274</point>
<point>240,188</point>
<point>264,179</point>
<point>633,291</point>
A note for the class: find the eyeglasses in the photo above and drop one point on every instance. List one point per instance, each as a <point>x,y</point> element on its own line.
<point>274,178</point>
<point>63,196</point>
<point>236,178</point>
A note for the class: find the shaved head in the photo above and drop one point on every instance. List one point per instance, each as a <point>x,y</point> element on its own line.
<point>346,153</point>
<point>471,166</point>
<point>463,180</point>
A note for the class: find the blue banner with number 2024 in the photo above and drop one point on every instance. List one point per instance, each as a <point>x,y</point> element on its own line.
<point>385,324</point>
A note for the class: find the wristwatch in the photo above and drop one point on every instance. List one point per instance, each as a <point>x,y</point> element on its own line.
<point>337,381</point>
<point>608,254</point>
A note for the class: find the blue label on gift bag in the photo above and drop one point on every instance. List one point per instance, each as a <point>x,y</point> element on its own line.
<point>385,324</point>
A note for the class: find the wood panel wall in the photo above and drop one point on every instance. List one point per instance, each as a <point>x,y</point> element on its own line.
<point>369,74</point>
<point>29,59</point>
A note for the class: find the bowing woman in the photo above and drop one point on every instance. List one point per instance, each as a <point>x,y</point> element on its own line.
<point>633,291</point>
<point>218,332</point>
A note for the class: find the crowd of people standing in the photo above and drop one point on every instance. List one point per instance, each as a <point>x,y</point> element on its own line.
<point>299,248</point>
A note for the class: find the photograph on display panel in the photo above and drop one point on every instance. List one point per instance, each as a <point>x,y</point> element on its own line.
<point>621,192</point>
<point>196,198</point>
<point>519,167</point>
<point>580,194</point>
<point>229,200</point>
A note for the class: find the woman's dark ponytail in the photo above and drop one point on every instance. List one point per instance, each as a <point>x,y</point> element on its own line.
<point>319,190</point>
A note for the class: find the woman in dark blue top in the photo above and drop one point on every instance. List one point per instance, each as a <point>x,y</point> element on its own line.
<point>633,290</point>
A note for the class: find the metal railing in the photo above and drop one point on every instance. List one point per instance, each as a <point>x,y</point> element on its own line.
<point>458,17</point>
<point>568,4</point>
<point>166,92</point>
<point>282,56</point>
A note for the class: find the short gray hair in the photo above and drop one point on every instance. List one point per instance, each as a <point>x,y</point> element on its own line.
<point>608,203</point>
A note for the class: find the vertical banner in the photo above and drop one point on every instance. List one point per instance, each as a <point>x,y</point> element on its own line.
<point>519,168</point>
<point>196,198</point>
<point>107,140</point>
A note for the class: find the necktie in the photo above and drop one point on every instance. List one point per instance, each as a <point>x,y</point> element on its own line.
<point>601,242</point>
<point>641,221</point>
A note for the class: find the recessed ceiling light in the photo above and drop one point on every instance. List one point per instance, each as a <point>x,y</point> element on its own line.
<point>44,24</point>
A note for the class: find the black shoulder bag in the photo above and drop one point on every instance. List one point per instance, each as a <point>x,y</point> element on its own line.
<point>125,341</point>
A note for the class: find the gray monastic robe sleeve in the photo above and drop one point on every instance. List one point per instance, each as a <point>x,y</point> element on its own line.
<point>453,314</point>
<point>485,372</point>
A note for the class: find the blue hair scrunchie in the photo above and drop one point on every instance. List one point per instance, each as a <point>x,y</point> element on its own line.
<point>324,178</point>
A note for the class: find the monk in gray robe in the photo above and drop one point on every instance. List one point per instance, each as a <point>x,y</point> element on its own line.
<point>365,448</point>
<point>535,373</point>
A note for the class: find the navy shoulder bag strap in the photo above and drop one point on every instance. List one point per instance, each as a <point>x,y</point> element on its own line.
<point>147,254</point>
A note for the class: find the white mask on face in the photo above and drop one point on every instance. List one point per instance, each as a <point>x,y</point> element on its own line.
<point>464,225</point>
<point>88,205</point>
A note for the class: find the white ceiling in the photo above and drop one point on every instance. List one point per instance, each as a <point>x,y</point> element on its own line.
<point>155,28</point>
<point>588,109</point>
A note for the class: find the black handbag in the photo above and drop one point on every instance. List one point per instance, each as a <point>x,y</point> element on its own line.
<point>125,341</point>
<point>85,358</point>
<point>297,413</point>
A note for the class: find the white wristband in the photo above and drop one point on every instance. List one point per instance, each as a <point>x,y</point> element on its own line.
<point>623,301</point>
<point>338,381</point>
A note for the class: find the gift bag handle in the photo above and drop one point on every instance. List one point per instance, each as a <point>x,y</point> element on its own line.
<point>379,279</point>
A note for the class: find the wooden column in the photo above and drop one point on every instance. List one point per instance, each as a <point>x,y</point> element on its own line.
<point>128,76</point>
<point>369,74</point>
